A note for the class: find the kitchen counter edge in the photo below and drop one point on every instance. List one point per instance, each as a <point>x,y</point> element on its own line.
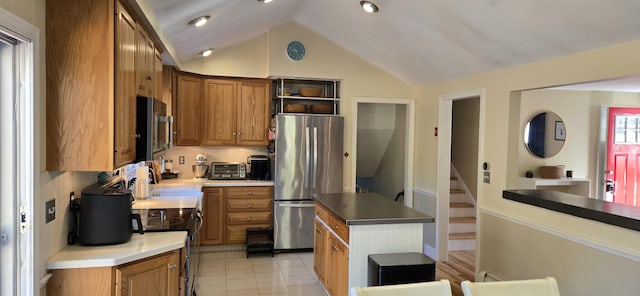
<point>140,246</point>
<point>211,183</point>
<point>370,209</point>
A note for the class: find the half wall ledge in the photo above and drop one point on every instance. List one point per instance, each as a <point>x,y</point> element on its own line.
<point>598,210</point>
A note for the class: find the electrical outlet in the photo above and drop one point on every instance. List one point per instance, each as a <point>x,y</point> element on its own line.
<point>181,159</point>
<point>487,177</point>
<point>50,210</point>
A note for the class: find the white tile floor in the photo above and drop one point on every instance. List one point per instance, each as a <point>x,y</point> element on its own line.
<point>230,273</point>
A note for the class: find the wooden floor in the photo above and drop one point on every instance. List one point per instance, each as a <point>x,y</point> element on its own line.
<point>460,267</point>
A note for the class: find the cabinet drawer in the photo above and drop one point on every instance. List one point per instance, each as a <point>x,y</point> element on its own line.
<point>249,204</point>
<point>248,218</point>
<point>339,227</point>
<point>238,234</point>
<point>322,213</point>
<point>244,192</point>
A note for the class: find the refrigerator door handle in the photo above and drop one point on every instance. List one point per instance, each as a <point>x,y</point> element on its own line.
<point>296,205</point>
<point>306,159</point>
<point>315,155</point>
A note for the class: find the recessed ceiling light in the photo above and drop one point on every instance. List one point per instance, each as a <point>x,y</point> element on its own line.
<point>199,21</point>
<point>369,6</point>
<point>265,1</point>
<point>207,52</point>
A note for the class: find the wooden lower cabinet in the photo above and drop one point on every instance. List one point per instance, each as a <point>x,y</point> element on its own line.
<point>331,255</point>
<point>213,210</point>
<point>339,283</point>
<point>229,211</point>
<point>158,275</point>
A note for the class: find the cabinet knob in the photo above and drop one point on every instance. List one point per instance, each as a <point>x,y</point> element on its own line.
<point>137,136</point>
<point>249,206</point>
<point>234,133</point>
<point>248,219</point>
<point>250,193</point>
<point>173,266</point>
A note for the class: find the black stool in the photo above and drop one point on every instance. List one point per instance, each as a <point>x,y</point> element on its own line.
<point>400,268</point>
<point>259,240</point>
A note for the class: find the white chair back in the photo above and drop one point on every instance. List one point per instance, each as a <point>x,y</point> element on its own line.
<point>437,288</point>
<point>535,287</point>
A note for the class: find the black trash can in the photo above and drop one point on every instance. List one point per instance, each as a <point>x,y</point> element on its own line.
<point>400,268</point>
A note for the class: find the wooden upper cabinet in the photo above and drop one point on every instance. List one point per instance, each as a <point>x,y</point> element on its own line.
<point>219,116</point>
<point>188,110</point>
<point>236,112</point>
<point>157,77</point>
<point>80,85</point>
<point>91,64</point>
<point>144,62</point>
<point>125,97</point>
<point>253,113</point>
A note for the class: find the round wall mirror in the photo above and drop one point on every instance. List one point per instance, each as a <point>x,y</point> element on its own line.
<point>544,134</point>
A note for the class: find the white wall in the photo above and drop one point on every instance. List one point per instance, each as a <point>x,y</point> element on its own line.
<point>501,150</point>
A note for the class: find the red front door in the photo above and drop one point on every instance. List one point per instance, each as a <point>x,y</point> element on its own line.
<point>623,154</point>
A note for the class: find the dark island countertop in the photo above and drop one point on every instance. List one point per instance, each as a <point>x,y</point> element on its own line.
<point>370,208</point>
<point>580,206</point>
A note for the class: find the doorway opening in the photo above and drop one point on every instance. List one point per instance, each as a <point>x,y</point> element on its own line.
<point>18,72</point>
<point>383,140</point>
<point>467,128</point>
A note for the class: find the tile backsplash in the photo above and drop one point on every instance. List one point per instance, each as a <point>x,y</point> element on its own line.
<point>214,154</point>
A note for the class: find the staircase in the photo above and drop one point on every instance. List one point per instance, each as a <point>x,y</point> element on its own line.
<point>462,220</point>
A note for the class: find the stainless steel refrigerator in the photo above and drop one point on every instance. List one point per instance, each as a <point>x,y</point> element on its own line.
<point>308,160</point>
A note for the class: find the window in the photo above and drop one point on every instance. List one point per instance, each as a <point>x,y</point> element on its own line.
<point>627,129</point>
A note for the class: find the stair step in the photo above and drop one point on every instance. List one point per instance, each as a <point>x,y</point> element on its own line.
<point>453,179</point>
<point>454,190</point>
<point>464,235</point>
<point>460,205</point>
<point>462,219</point>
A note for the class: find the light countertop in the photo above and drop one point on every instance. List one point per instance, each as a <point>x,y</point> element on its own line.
<point>169,202</point>
<point>191,183</point>
<point>370,208</point>
<point>139,247</point>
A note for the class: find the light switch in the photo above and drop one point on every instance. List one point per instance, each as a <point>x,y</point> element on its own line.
<point>486,178</point>
<point>50,210</point>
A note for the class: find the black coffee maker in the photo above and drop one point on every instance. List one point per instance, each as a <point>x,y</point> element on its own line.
<point>258,167</point>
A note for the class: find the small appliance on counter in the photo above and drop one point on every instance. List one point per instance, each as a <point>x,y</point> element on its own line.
<point>228,171</point>
<point>102,216</point>
<point>200,169</point>
<point>258,167</point>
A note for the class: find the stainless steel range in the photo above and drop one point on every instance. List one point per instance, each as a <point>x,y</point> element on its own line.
<point>178,219</point>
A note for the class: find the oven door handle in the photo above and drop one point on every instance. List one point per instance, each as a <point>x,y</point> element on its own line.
<point>200,219</point>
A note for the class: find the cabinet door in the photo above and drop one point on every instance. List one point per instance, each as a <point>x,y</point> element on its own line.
<point>220,112</point>
<point>142,77</point>
<point>125,91</point>
<point>157,76</point>
<point>214,216</point>
<point>339,282</point>
<point>320,252</point>
<point>154,276</point>
<point>253,113</point>
<point>188,111</point>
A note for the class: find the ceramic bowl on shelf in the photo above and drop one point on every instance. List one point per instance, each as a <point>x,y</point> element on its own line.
<point>295,108</point>
<point>322,109</point>
<point>310,92</point>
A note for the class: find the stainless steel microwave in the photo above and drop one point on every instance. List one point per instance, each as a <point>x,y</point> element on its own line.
<point>153,128</point>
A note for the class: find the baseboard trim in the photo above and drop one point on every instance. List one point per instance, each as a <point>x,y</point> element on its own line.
<point>576,239</point>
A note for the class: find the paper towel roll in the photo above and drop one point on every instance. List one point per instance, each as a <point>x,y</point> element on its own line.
<point>142,182</point>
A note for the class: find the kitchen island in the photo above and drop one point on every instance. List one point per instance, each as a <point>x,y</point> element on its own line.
<point>351,226</point>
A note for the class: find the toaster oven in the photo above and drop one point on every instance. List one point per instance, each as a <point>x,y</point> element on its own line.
<point>227,171</point>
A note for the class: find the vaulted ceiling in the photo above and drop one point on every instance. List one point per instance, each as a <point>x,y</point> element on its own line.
<point>419,41</point>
